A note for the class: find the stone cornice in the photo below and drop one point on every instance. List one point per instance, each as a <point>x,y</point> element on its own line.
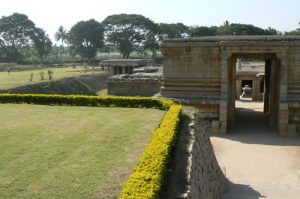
<point>234,41</point>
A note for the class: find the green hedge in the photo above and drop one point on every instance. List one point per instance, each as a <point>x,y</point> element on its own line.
<point>147,179</point>
<point>148,176</point>
<point>80,100</point>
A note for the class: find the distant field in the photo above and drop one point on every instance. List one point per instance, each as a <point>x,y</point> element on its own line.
<point>70,152</point>
<point>20,78</point>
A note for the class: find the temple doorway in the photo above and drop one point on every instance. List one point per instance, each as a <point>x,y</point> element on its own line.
<point>253,93</point>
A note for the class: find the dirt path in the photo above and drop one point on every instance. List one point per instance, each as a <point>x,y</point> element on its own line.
<point>258,162</point>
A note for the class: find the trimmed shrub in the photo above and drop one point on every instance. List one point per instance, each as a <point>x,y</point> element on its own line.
<point>80,100</point>
<point>146,180</point>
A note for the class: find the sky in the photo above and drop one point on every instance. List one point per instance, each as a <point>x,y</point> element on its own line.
<point>283,15</point>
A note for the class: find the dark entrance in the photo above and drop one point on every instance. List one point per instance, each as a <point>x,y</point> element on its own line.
<point>270,87</point>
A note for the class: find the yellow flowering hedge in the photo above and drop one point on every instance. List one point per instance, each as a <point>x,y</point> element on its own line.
<point>146,180</point>
<point>80,100</point>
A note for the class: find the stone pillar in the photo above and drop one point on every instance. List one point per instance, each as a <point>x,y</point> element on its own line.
<point>283,113</point>
<point>267,85</point>
<point>238,88</point>
<point>273,106</point>
<point>231,91</point>
<point>224,94</point>
<point>255,89</point>
<point>239,64</point>
<point>283,120</point>
<point>123,70</point>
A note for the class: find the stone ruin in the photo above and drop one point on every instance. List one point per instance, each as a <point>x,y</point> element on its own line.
<point>133,77</point>
<point>138,84</point>
<point>124,66</point>
<point>201,71</point>
<point>254,77</point>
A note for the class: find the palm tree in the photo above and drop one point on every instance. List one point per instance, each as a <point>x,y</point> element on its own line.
<point>61,34</point>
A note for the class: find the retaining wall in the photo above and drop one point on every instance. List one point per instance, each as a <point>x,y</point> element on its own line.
<point>206,178</point>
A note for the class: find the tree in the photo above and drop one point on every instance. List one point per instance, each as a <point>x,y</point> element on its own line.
<point>2,51</point>
<point>294,32</point>
<point>127,31</point>
<point>272,31</point>
<point>42,43</point>
<point>15,33</point>
<point>244,29</point>
<point>173,30</point>
<point>199,31</point>
<point>86,38</point>
<point>151,43</point>
<point>61,35</point>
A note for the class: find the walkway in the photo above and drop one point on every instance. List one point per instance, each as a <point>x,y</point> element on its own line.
<point>258,162</point>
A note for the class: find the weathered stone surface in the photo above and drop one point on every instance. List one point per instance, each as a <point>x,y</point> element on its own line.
<point>139,84</point>
<point>249,40</point>
<point>207,179</point>
<point>147,69</point>
<point>255,75</point>
<point>125,66</point>
<point>203,70</point>
<point>126,62</point>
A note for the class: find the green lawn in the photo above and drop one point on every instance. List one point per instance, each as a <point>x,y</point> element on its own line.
<point>19,78</point>
<point>70,152</point>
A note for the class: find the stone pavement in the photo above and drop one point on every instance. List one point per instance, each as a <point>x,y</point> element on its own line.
<point>258,162</point>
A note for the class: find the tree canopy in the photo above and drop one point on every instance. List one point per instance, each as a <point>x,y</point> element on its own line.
<point>294,32</point>
<point>86,38</point>
<point>21,40</point>
<point>42,43</point>
<point>128,31</point>
<point>173,30</point>
<point>243,29</point>
<point>61,35</point>
<point>199,31</point>
<point>16,33</point>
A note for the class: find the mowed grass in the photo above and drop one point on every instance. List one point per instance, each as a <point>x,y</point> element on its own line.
<point>19,78</point>
<point>70,152</point>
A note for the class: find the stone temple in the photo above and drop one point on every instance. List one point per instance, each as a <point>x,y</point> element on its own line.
<point>202,72</point>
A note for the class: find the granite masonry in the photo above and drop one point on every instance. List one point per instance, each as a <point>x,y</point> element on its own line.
<point>206,178</point>
<point>138,84</point>
<point>202,72</point>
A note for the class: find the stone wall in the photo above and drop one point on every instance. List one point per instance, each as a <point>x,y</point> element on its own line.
<point>293,89</point>
<point>191,71</point>
<point>203,69</point>
<point>206,178</point>
<point>139,84</point>
<point>125,66</point>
